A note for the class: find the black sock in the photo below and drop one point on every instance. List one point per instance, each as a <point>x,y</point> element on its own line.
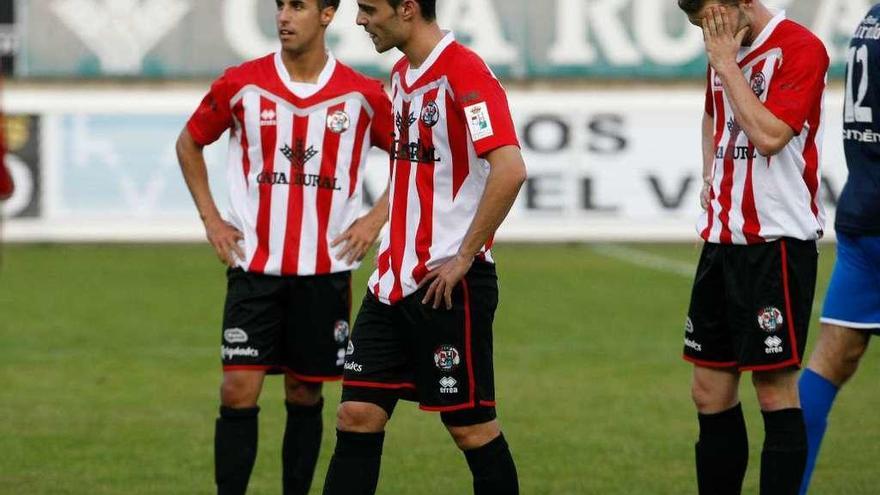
<point>785,452</point>
<point>354,469</point>
<point>302,442</point>
<point>493,469</point>
<point>722,452</point>
<point>235,449</point>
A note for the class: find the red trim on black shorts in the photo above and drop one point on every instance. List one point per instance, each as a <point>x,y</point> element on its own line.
<point>467,343</point>
<point>710,364</point>
<point>387,386</point>
<point>487,403</point>
<point>771,367</point>
<point>459,407</point>
<point>791,333</point>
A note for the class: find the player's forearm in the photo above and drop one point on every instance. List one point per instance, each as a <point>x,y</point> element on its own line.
<point>379,211</point>
<point>708,138</point>
<point>764,130</point>
<point>506,175</point>
<point>195,173</point>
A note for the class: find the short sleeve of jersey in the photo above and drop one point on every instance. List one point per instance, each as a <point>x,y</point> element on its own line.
<point>382,130</point>
<point>710,101</point>
<point>213,116</point>
<point>796,89</point>
<point>486,111</point>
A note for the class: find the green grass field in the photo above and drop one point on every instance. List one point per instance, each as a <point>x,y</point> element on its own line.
<point>109,379</point>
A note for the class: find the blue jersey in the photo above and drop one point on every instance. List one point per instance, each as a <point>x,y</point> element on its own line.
<point>858,211</point>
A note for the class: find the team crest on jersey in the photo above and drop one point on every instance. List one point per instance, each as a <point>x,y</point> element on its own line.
<point>758,83</point>
<point>404,123</point>
<point>340,331</point>
<point>430,114</point>
<point>268,118</point>
<point>446,358</point>
<point>338,122</point>
<point>770,319</point>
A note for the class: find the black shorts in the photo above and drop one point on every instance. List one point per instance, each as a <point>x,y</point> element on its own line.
<point>296,325</point>
<point>440,358</point>
<point>750,305</point>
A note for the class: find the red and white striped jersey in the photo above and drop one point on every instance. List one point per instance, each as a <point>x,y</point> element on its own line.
<point>755,198</point>
<point>297,154</point>
<point>448,114</point>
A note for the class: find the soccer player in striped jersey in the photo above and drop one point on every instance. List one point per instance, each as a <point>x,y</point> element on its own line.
<point>753,291</point>
<point>424,330</point>
<point>301,125</point>
<point>851,313</point>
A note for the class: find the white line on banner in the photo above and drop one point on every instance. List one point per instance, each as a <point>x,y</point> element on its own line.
<point>645,259</point>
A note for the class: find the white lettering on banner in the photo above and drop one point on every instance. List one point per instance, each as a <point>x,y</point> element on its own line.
<point>651,32</point>
<point>120,32</point>
<point>24,187</point>
<point>474,20</point>
<point>574,18</point>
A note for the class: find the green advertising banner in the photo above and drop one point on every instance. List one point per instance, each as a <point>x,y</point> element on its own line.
<point>520,39</point>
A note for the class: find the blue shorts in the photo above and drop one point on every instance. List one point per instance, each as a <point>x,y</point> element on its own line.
<point>853,298</point>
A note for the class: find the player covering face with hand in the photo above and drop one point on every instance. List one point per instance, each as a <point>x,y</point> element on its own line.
<point>301,124</point>
<point>424,330</point>
<point>753,291</point>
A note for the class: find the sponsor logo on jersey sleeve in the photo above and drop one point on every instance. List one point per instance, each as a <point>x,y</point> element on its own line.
<point>479,122</point>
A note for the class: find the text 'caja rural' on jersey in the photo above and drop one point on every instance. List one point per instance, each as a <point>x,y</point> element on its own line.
<point>448,115</point>
<point>296,162</point>
<point>858,211</point>
<point>757,198</point>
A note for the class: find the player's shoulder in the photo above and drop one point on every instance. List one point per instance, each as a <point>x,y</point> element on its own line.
<point>459,59</point>
<point>352,77</point>
<point>793,36</point>
<point>250,71</point>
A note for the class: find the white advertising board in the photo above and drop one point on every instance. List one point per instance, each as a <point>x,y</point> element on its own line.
<point>603,165</point>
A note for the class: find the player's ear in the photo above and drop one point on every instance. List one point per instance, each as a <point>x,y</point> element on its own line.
<point>408,10</point>
<point>327,15</point>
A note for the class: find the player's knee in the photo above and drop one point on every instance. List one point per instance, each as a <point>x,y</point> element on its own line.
<point>776,391</point>
<point>237,393</point>
<point>360,417</point>
<point>473,437</point>
<point>302,393</point>
<point>709,399</point>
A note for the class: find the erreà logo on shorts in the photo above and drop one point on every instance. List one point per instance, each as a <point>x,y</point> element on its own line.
<point>774,345</point>
<point>235,336</point>
<point>231,352</point>
<point>448,385</point>
<point>693,345</point>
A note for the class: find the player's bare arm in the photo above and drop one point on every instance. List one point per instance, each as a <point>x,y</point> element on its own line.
<point>506,176</point>
<point>768,133</point>
<point>222,236</point>
<point>708,141</point>
<point>363,232</point>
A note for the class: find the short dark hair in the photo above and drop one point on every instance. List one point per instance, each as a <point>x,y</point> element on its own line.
<point>429,7</point>
<point>329,3</point>
<point>691,7</point>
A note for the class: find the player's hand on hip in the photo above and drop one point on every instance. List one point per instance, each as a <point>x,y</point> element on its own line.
<point>224,237</point>
<point>722,39</point>
<point>357,239</point>
<point>443,280</point>
<point>706,195</point>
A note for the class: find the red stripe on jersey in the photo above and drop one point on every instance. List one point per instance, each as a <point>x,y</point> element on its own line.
<point>425,191</point>
<point>329,153</point>
<point>295,202</point>
<point>726,194</point>
<point>751,223</point>
<point>360,135</point>
<point>719,132</point>
<point>811,165</point>
<point>458,140</point>
<point>238,112</point>
<point>268,138</point>
<point>402,170</point>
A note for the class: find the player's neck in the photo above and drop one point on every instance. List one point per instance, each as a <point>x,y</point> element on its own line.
<point>305,66</point>
<point>762,17</point>
<point>424,39</point>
